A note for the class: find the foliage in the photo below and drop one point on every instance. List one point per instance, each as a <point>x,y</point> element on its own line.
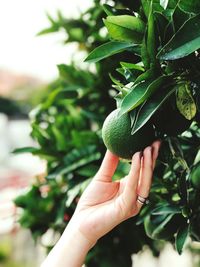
<point>154,48</point>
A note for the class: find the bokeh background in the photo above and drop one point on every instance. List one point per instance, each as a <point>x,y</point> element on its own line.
<point>27,66</point>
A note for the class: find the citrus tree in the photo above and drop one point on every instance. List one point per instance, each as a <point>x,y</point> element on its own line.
<point>151,51</point>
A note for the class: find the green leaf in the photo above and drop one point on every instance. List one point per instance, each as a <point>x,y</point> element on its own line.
<point>172,4</point>
<point>133,114</point>
<point>146,4</point>
<point>161,24</point>
<point>162,224</point>
<point>25,150</point>
<point>140,93</point>
<point>66,93</point>
<point>150,107</point>
<point>146,76</point>
<point>144,54</point>
<point>89,170</point>
<point>168,32</point>
<point>55,26</point>
<point>109,10</point>
<point>181,237</point>
<point>168,209</point>
<point>130,71</point>
<point>107,50</point>
<point>115,81</point>
<point>131,66</point>
<point>35,151</point>
<point>48,30</point>
<point>61,142</point>
<point>75,159</point>
<point>51,20</point>
<point>184,42</point>
<point>40,134</point>
<point>185,101</point>
<point>151,38</point>
<point>88,136</point>
<point>192,6</point>
<point>134,98</point>
<point>125,28</point>
<point>75,191</point>
<point>179,18</point>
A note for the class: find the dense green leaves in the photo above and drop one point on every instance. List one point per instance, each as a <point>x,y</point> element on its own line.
<point>107,50</point>
<point>76,159</point>
<point>125,28</point>
<point>184,42</point>
<point>67,125</point>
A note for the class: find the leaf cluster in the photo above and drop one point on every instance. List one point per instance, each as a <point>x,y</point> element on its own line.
<point>153,61</point>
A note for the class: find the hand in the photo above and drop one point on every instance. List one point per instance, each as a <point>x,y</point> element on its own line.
<point>103,205</point>
<point>106,203</point>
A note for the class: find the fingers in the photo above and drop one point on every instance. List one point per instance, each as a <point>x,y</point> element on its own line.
<point>146,175</point>
<point>139,180</point>
<point>156,146</point>
<point>129,195</point>
<point>108,167</point>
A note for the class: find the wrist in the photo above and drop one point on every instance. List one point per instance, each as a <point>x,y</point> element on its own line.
<point>70,250</point>
<point>73,232</point>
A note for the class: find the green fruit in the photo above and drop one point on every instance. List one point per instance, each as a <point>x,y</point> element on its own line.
<point>195,176</point>
<point>116,133</point>
<point>168,120</point>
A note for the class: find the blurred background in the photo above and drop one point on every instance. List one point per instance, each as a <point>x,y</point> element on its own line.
<point>27,66</point>
<point>28,73</point>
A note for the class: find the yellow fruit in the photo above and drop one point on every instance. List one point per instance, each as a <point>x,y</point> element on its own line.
<point>116,133</point>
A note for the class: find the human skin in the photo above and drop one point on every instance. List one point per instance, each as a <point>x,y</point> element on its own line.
<point>103,205</point>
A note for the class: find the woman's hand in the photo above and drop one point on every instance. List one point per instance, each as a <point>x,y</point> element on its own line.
<point>106,203</point>
<point>103,205</point>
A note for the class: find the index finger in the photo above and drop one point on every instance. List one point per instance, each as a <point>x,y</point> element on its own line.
<point>108,167</point>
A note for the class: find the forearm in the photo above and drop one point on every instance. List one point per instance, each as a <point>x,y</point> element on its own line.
<point>70,251</point>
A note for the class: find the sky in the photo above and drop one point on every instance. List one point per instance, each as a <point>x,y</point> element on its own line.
<point>24,53</point>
